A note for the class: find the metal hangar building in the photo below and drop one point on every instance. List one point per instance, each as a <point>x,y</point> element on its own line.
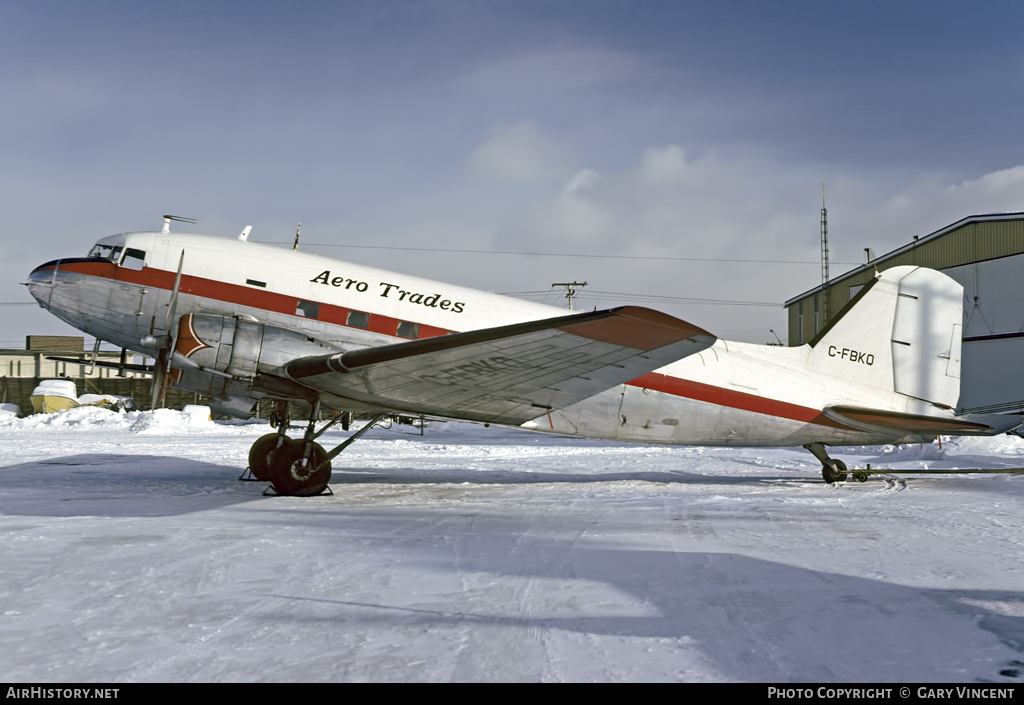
<point>983,253</point>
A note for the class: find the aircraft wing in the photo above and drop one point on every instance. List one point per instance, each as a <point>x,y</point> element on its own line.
<point>508,374</point>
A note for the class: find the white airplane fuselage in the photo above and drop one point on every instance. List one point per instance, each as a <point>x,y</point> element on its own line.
<point>728,394</point>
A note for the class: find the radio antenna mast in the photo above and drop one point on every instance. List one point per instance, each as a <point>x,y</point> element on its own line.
<point>824,260</point>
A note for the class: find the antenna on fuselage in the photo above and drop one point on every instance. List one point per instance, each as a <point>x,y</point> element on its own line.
<point>245,233</point>
<point>178,218</point>
<point>296,245</point>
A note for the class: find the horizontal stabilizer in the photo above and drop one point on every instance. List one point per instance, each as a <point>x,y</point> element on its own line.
<point>921,424</point>
<point>508,374</point>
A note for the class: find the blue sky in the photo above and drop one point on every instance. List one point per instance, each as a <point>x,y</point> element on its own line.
<point>642,129</point>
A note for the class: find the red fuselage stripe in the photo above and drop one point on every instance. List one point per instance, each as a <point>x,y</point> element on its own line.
<point>711,394</point>
<point>240,295</point>
<point>385,325</point>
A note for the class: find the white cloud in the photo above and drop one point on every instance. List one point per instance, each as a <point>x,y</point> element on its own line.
<point>663,164</point>
<point>750,206</point>
<point>755,206</point>
<point>582,179</point>
<point>519,152</point>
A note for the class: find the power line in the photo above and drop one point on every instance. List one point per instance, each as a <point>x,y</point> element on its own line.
<point>591,295</point>
<point>560,254</point>
<point>683,299</point>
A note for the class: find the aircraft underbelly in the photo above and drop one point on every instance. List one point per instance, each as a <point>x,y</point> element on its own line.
<point>633,413</point>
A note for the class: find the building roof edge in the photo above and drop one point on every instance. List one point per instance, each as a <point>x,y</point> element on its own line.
<point>978,218</point>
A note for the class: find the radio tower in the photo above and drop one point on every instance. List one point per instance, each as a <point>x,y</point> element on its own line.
<point>824,260</point>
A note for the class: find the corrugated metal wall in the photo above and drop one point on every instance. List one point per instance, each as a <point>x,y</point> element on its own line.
<point>974,242</point>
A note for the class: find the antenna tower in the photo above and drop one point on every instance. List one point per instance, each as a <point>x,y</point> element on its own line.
<point>824,260</point>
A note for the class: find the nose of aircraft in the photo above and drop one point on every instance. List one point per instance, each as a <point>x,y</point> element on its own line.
<point>43,274</point>
<point>40,281</point>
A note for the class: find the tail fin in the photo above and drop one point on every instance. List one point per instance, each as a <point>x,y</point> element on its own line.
<point>901,333</point>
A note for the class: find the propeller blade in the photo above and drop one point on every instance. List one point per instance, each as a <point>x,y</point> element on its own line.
<point>172,305</point>
<point>156,391</point>
<point>162,364</point>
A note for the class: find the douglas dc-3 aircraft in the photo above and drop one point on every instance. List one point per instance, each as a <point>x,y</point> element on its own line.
<point>239,322</point>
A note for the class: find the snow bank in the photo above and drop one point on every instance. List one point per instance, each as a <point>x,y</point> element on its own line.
<point>79,418</point>
<point>92,418</point>
<point>1001,445</point>
<point>166,422</point>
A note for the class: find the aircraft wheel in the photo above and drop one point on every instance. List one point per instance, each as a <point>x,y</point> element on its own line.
<point>291,479</point>
<point>860,476</point>
<point>259,462</point>
<point>840,471</point>
<point>837,475</point>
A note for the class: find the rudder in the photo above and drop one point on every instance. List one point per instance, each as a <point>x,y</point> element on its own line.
<point>901,333</point>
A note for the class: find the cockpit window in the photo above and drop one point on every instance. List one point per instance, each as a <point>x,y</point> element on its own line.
<point>109,248</point>
<point>106,251</point>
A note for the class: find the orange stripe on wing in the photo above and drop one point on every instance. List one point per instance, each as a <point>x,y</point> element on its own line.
<point>636,327</point>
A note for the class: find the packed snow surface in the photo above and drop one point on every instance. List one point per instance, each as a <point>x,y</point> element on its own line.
<point>131,552</point>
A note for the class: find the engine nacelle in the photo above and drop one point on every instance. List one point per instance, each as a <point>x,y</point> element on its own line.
<point>220,357</point>
<point>239,348</point>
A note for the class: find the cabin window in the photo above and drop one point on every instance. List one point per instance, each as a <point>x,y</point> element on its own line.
<point>408,330</point>
<point>133,259</point>
<point>307,309</point>
<point>253,282</point>
<point>358,319</point>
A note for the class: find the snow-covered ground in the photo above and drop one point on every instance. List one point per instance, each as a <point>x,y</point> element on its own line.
<point>130,552</point>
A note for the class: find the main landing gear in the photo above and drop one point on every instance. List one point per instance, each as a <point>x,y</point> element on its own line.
<point>832,470</point>
<point>298,468</point>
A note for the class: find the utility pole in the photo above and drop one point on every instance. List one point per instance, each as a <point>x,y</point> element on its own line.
<point>570,290</point>
<point>824,260</point>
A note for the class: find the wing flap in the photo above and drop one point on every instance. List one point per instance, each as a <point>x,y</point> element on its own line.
<point>507,374</point>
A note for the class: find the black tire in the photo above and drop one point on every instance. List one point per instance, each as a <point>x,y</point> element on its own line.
<point>286,472</point>
<point>837,475</point>
<point>259,461</point>
<point>840,471</point>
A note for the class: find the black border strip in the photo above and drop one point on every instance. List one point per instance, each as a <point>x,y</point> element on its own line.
<point>995,336</point>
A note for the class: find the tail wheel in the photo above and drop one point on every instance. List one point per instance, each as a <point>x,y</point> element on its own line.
<point>292,478</point>
<point>259,460</point>
<point>837,475</point>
